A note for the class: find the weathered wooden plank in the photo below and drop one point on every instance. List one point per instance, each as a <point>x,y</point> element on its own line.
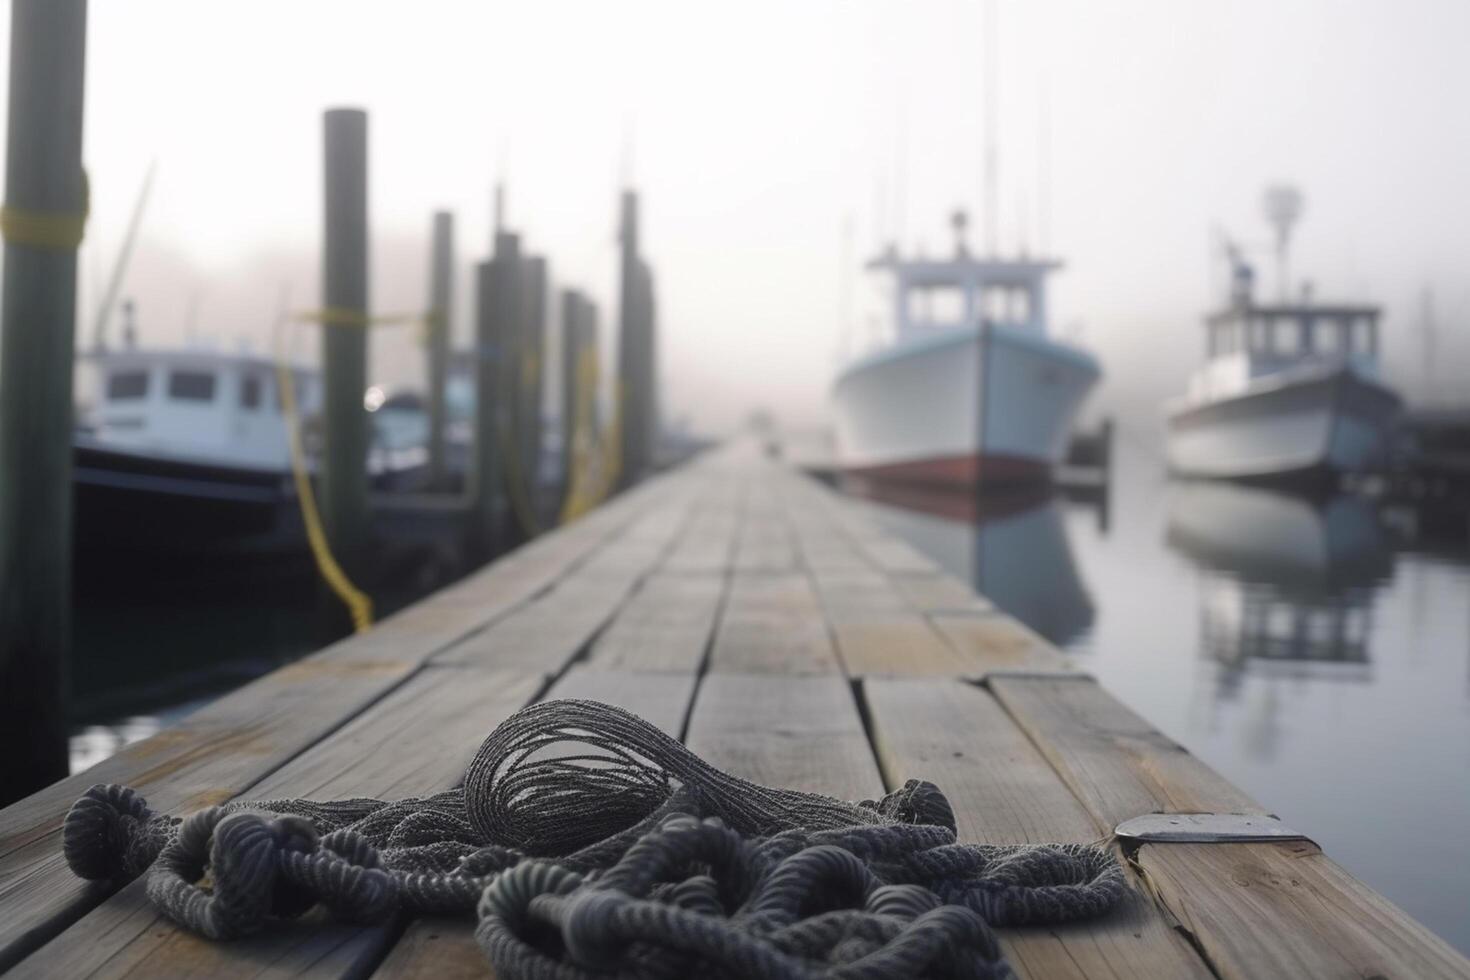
<point>708,545</point>
<point>1303,915</point>
<point>939,593</point>
<point>1003,792</point>
<point>999,643</point>
<point>548,632</point>
<point>393,750</point>
<point>766,542</point>
<point>773,623</point>
<point>1287,910</point>
<point>665,626</point>
<point>797,732</point>
<point>1116,763</point>
<point>436,948</point>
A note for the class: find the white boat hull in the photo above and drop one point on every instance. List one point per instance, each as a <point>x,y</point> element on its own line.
<point>961,407</point>
<point>1324,424</point>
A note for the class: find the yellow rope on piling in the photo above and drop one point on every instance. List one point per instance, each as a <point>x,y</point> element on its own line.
<point>55,230</point>
<point>359,604</point>
<point>515,483</point>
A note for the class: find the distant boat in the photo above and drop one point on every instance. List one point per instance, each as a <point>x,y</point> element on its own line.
<point>184,450</point>
<point>969,389</point>
<point>1289,391</point>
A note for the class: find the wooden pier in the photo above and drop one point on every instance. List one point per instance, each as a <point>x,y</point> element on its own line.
<point>765,621</point>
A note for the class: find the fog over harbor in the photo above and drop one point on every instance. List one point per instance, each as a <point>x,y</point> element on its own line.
<point>758,132</point>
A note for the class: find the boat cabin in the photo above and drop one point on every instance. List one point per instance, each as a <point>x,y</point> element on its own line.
<point>965,290</point>
<point>1248,341</point>
<point>195,404</point>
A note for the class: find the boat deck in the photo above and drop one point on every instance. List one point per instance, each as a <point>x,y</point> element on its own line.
<point>766,622</point>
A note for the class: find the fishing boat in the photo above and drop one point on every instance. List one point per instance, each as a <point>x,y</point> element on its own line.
<point>185,450</point>
<point>1289,392</point>
<point>968,388</point>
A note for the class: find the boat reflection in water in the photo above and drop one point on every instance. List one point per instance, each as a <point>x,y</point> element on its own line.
<point>1288,588</point>
<point>1011,546</point>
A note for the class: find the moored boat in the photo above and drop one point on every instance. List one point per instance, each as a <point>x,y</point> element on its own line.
<point>970,389</point>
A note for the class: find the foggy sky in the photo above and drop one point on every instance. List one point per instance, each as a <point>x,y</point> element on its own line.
<point>758,131</point>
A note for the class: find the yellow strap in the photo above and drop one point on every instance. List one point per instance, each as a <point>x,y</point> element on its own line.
<point>515,484</point>
<point>359,604</point>
<point>55,230</point>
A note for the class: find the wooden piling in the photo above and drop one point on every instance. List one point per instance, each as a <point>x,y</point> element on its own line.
<point>571,315</point>
<point>344,344</point>
<point>532,363</point>
<point>45,207</point>
<point>441,309</point>
<point>632,353</point>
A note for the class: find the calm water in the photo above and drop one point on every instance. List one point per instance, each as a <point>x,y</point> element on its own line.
<point>1317,654</point>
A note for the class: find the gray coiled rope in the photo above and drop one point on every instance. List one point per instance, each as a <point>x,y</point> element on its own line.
<point>588,842</point>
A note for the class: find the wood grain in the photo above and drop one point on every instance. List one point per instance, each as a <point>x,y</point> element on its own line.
<point>666,625</point>
<point>797,732</point>
<point>1287,910</point>
<point>999,643</point>
<point>772,624</point>
<point>1116,763</point>
<point>1003,792</point>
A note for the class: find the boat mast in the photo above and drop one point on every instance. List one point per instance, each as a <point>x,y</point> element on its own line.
<point>991,206</point>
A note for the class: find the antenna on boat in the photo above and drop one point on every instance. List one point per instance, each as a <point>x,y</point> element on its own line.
<point>119,268</point>
<point>1283,206</point>
<point>1043,167</point>
<point>991,206</point>
<point>960,221</point>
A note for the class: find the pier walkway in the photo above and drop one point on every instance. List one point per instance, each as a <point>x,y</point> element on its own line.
<point>765,621</point>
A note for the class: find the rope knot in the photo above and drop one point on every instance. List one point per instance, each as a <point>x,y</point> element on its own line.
<point>110,834</point>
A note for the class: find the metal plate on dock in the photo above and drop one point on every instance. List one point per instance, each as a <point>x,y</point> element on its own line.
<point>1205,828</point>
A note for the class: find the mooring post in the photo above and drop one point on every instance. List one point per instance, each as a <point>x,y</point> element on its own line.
<point>532,359</point>
<point>344,343</point>
<point>45,209</point>
<point>627,390</point>
<point>441,299</point>
<point>571,318</point>
<point>482,481</point>
<point>505,327</point>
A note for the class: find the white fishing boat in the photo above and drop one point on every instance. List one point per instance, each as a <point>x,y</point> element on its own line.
<point>969,387</point>
<point>185,449</point>
<point>1290,390</point>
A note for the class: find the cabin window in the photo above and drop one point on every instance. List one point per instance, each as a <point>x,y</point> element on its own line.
<point>191,386</point>
<point>1260,336</point>
<point>1327,337</point>
<point>127,386</point>
<point>1286,337</point>
<point>1364,339</point>
<point>943,304</point>
<point>250,392</point>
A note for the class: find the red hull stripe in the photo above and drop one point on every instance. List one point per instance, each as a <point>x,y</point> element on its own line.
<point>958,471</point>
